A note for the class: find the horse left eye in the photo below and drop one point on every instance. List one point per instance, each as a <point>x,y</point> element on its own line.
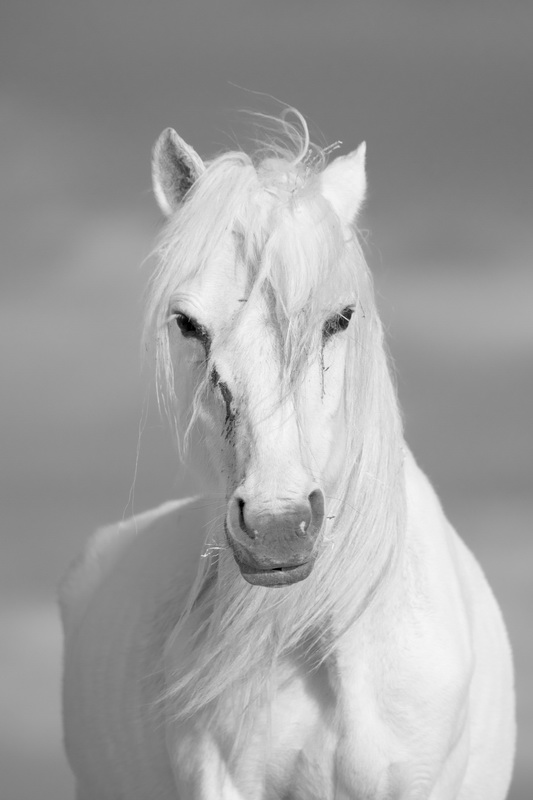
<point>337,323</point>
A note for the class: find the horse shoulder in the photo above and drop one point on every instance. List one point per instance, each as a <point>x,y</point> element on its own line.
<point>436,593</point>
<point>491,697</point>
<point>100,553</point>
<point>448,585</point>
<point>448,674</point>
<point>408,663</point>
<point>119,601</point>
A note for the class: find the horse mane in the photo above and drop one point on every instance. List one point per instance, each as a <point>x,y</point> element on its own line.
<point>298,254</point>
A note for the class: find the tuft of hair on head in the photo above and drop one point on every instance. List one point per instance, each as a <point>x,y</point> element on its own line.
<point>284,142</point>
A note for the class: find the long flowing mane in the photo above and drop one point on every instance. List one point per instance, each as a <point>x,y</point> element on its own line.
<point>298,255</point>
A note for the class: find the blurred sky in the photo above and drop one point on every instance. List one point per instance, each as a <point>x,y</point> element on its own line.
<point>442,92</point>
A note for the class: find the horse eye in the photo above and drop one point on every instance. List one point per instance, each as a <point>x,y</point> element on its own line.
<point>337,323</point>
<point>189,328</point>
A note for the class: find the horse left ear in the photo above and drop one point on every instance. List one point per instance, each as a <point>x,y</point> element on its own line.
<point>175,168</point>
<point>343,183</point>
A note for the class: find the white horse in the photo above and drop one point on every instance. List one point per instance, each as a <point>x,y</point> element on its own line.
<point>321,632</point>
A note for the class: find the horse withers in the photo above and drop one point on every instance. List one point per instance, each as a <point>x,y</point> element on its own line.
<point>312,628</point>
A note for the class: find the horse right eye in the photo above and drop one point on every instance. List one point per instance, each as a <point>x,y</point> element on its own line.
<point>189,328</point>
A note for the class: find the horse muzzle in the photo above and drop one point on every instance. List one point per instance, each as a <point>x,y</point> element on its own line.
<point>274,548</point>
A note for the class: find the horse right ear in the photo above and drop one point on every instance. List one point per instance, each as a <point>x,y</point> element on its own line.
<point>175,168</point>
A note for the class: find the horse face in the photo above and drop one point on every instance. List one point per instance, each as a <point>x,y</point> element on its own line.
<point>279,448</point>
<point>279,443</point>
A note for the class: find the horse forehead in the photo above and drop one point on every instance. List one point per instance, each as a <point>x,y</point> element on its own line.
<point>253,334</point>
<point>219,287</point>
<point>248,349</point>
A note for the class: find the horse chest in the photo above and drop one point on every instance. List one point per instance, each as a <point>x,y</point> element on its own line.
<point>295,748</point>
<point>303,739</point>
<point>321,753</point>
<point>287,749</point>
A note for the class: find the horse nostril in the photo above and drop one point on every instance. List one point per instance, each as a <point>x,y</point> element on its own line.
<point>242,522</point>
<point>240,505</point>
<point>316,501</point>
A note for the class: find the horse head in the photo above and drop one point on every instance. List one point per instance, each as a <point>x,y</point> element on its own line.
<point>260,303</point>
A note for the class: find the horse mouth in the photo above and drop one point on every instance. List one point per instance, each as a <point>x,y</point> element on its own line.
<point>276,576</point>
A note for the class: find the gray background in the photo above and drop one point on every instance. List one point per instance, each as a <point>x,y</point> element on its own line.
<point>442,92</point>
